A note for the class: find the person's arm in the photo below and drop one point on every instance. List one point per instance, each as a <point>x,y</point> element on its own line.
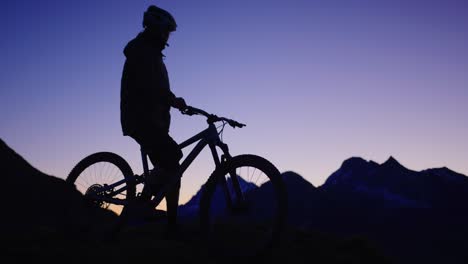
<point>179,103</point>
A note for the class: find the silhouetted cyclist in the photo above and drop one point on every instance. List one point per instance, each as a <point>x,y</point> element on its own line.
<point>146,100</point>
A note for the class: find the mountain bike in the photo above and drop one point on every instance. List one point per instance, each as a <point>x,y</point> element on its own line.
<point>243,202</point>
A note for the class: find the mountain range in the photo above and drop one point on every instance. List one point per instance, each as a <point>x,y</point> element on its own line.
<point>415,216</point>
<point>411,216</point>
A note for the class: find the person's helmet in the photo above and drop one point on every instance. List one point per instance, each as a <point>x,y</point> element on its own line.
<point>155,17</point>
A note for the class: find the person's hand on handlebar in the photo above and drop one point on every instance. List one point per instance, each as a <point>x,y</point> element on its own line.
<point>179,103</point>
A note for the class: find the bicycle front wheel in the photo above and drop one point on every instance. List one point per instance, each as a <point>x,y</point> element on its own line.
<point>243,207</point>
<point>93,175</point>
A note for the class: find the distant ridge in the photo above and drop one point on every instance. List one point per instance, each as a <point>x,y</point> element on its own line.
<point>294,179</point>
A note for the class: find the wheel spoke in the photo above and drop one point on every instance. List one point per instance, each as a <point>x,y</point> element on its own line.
<point>100,169</point>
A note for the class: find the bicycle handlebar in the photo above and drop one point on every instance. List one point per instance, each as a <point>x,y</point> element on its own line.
<point>211,117</point>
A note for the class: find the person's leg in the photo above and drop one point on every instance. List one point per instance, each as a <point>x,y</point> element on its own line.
<point>165,154</point>
<point>172,202</point>
<point>147,143</point>
<point>168,162</point>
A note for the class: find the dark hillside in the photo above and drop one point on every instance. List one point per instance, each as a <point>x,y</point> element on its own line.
<point>36,201</point>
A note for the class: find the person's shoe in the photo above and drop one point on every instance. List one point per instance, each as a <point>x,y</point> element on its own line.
<point>140,211</point>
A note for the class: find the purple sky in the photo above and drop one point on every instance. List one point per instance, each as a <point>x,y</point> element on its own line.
<point>316,82</point>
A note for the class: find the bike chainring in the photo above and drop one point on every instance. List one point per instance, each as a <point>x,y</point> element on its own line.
<point>92,192</point>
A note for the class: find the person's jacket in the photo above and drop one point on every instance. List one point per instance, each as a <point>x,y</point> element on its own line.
<point>145,96</point>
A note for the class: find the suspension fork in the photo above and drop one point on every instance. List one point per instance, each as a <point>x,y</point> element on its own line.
<point>221,180</point>
<point>225,157</point>
<point>234,177</point>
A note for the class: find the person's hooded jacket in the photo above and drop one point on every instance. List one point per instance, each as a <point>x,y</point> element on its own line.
<point>146,97</point>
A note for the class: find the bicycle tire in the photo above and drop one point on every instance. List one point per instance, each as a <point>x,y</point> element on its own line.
<point>111,164</point>
<point>228,240</point>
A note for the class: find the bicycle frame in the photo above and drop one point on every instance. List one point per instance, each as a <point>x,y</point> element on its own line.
<point>208,137</point>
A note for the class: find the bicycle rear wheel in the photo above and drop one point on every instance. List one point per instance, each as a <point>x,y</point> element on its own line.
<point>101,169</point>
<point>248,228</point>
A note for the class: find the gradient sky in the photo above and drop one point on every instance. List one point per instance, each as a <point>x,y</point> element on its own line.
<point>316,82</point>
